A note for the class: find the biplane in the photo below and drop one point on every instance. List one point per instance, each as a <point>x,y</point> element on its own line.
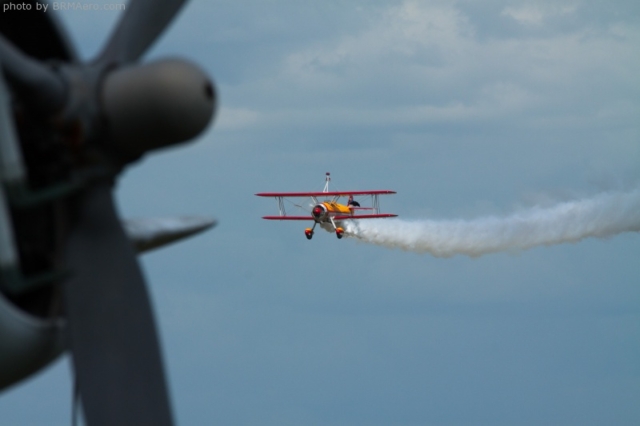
<point>325,210</point>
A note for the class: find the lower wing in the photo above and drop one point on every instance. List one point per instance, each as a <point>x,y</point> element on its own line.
<point>365,216</point>
<point>343,217</point>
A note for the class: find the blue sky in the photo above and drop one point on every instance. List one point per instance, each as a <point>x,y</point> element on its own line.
<point>466,109</point>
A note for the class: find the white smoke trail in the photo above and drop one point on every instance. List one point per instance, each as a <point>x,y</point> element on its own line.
<point>601,216</point>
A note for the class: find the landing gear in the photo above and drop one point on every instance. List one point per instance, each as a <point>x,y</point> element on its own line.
<point>309,231</point>
<point>339,230</point>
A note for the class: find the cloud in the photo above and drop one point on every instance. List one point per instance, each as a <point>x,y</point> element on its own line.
<point>537,13</point>
<point>424,62</point>
<point>236,118</point>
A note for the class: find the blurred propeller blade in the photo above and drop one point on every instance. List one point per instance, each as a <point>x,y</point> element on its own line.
<point>113,339</point>
<point>34,82</point>
<point>142,23</point>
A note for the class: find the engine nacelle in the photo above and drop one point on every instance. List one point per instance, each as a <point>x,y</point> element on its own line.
<point>319,212</point>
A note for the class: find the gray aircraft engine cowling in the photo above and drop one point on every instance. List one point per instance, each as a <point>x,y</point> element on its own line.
<point>33,329</point>
<point>69,277</point>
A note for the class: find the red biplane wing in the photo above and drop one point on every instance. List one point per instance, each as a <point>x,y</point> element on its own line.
<point>358,216</point>
<point>288,217</point>
<point>321,194</point>
<point>365,216</point>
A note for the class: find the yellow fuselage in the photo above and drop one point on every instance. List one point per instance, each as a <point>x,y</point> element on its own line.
<point>336,208</point>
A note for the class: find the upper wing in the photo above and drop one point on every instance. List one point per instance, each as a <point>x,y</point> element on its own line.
<point>288,217</point>
<point>321,194</point>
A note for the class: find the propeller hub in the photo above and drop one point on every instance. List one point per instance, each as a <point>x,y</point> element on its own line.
<point>156,105</point>
<point>318,211</point>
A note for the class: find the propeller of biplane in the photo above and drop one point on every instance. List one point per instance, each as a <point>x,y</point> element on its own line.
<point>108,112</point>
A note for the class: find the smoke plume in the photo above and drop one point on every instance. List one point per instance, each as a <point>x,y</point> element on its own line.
<point>602,216</point>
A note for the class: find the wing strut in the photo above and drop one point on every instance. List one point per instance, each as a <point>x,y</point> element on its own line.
<point>376,204</point>
<point>281,206</point>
